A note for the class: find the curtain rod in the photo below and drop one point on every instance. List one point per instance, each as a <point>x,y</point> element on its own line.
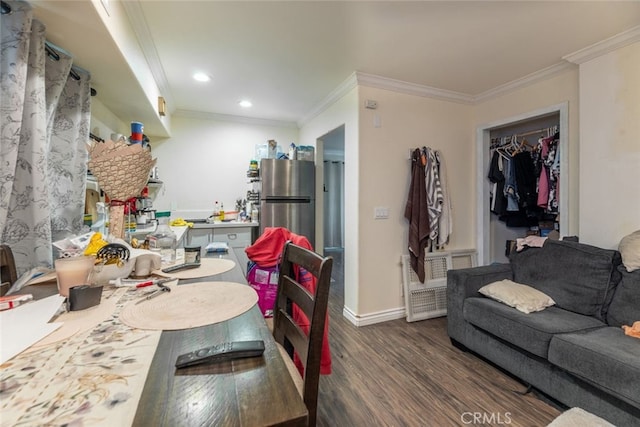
<point>6,9</point>
<point>55,56</point>
<point>95,138</point>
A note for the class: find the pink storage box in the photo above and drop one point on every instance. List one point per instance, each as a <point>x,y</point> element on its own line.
<point>265,281</point>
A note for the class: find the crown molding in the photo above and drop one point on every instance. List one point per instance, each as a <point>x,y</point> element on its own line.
<point>379,82</point>
<point>527,80</point>
<point>345,87</point>
<point>139,25</point>
<point>231,118</point>
<point>605,46</point>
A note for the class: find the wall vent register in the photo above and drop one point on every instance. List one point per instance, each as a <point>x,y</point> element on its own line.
<point>429,299</point>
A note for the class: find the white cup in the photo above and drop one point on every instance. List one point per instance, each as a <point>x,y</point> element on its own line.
<point>73,271</point>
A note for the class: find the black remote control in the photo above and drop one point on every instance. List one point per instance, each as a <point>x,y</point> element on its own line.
<point>179,267</point>
<point>221,352</point>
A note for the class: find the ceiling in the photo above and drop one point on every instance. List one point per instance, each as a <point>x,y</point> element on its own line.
<point>287,57</point>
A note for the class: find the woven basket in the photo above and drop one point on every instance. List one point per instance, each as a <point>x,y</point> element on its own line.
<point>122,171</point>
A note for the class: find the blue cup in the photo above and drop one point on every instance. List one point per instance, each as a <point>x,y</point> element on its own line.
<point>136,132</point>
<point>136,127</point>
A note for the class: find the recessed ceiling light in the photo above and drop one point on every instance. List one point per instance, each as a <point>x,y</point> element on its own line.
<point>201,77</point>
<point>245,103</point>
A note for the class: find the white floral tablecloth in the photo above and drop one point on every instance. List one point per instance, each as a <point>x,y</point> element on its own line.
<point>93,378</point>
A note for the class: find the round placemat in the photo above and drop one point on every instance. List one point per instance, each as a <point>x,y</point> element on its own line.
<point>190,306</point>
<point>208,267</point>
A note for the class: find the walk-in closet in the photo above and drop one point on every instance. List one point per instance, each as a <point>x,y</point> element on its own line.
<point>522,170</point>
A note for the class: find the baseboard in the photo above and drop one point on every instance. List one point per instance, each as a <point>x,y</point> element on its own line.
<point>373,318</point>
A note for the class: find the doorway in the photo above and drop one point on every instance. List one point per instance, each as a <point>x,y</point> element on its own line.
<point>333,190</point>
<point>333,204</point>
<point>486,239</point>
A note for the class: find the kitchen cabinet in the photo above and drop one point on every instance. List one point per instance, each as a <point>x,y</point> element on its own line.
<point>238,236</point>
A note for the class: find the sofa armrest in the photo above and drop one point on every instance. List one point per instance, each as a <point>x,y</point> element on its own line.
<point>465,283</point>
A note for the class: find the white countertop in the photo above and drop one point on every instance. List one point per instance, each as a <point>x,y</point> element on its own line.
<point>225,224</point>
<point>181,231</point>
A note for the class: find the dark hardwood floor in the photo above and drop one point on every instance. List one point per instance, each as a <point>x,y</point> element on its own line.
<point>408,374</point>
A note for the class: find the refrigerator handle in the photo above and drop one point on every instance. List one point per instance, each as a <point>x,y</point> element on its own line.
<point>275,199</point>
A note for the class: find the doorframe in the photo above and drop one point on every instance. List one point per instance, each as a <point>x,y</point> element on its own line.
<point>483,141</point>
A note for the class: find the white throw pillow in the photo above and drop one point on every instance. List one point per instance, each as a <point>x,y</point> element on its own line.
<point>516,295</point>
<point>630,250</point>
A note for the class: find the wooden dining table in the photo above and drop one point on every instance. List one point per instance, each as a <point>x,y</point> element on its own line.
<point>244,392</point>
<point>248,392</point>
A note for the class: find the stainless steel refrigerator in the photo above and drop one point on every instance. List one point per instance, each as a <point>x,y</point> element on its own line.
<point>287,197</point>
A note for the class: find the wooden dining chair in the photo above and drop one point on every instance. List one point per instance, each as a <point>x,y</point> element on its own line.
<point>8,272</point>
<point>288,334</point>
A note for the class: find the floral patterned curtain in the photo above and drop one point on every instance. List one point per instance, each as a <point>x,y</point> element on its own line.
<point>45,118</point>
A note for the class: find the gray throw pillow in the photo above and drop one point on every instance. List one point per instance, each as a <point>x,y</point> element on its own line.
<point>578,277</point>
<point>625,306</point>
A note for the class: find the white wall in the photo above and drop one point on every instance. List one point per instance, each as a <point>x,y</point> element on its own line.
<point>406,122</point>
<point>610,146</point>
<point>118,25</point>
<point>377,171</point>
<point>104,122</point>
<point>342,112</point>
<point>207,160</point>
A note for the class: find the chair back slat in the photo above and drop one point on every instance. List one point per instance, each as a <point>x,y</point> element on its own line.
<point>299,295</point>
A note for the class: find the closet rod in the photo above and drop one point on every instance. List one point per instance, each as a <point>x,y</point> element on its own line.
<point>533,132</point>
<point>528,133</point>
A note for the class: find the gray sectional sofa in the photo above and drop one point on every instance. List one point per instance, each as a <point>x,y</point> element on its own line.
<point>575,351</point>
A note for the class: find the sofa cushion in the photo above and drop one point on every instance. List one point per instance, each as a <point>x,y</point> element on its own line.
<point>625,306</point>
<point>516,295</point>
<point>578,277</point>
<point>604,357</point>
<point>531,332</point>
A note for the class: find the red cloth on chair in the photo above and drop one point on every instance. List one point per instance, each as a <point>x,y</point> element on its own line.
<point>266,252</point>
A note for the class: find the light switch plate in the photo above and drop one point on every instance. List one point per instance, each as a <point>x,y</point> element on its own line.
<point>381,213</point>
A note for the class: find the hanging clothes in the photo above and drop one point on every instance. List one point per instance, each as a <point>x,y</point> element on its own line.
<point>496,176</point>
<point>543,179</point>
<point>428,207</point>
<point>445,222</point>
<point>529,175</point>
<point>434,192</point>
<point>416,213</point>
<point>510,185</point>
<point>548,182</point>
<point>554,175</point>
<point>526,180</point>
